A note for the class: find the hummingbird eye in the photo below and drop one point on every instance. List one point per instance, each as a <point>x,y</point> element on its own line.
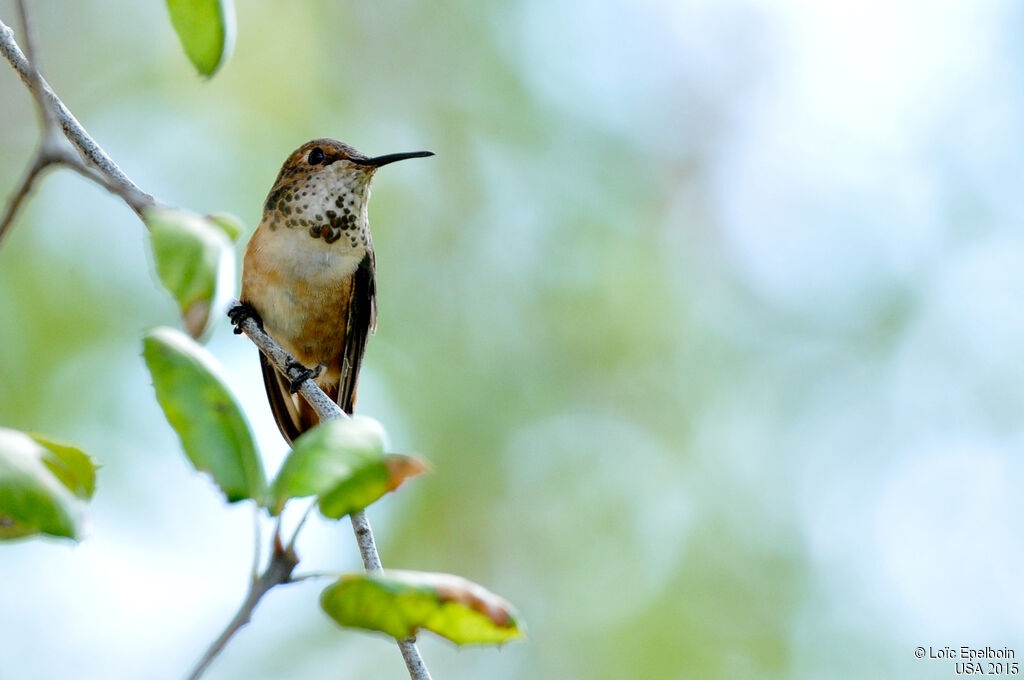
<point>316,156</point>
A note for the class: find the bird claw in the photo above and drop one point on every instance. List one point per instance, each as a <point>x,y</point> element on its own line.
<point>298,374</point>
<point>242,311</point>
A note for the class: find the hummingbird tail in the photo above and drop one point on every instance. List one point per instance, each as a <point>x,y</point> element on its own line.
<point>283,404</point>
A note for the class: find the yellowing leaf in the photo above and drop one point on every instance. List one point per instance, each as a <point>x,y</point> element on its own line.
<point>400,603</point>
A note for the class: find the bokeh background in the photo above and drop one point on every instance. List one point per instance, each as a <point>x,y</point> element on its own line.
<point>709,316</point>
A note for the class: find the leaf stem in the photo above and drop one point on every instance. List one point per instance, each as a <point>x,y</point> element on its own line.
<point>257,541</point>
<point>302,523</point>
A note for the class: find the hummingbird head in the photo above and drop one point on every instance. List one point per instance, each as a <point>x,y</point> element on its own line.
<point>323,188</point>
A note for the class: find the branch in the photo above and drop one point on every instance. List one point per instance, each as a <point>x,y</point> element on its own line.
<point>327,409</point>
<point>30,56</point>
<point>24,188</point>
<point>58,128</point>
<point>278,572</point>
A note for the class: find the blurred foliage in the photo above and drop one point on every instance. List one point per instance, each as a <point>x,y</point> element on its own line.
<point>206,30</point>
<point>42,485</point>
<point>72,466</point>
<point>707,315</point>
<point>194,262</point>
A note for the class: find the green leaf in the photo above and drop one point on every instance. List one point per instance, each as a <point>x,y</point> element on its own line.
<point>206,29</point>
<point>343,463</point>
<point>400,603</point>
<point>211,425</point>
<point>228,223</point>
<point>42,485</point>
<point>69,464</point>
<point>194,261</point>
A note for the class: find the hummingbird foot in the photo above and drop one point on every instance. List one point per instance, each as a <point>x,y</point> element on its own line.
<point>299,374</point>
<point>240,312</point>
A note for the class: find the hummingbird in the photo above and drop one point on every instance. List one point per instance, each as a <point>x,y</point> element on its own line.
<point>308,276</point>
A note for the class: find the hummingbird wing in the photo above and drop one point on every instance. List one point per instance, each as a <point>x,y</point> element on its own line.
<point>291,412</point>
<point>362,320</point>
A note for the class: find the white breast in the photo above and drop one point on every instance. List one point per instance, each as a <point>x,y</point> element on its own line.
<point>299,256</point>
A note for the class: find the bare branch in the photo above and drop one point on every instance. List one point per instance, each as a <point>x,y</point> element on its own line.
<point>41,160</point>
<point>278,572</point>
<point>413,660</point>
<point>26,31</point>
<point>56,116</point>
<point>364,537</point>
<point>24,188</point>
<point>58,127</point>
<point>46,117</point>
<point>327,409</point>
<point>72,162</point>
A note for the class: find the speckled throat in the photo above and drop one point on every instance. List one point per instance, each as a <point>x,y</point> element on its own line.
<point>328,204</point>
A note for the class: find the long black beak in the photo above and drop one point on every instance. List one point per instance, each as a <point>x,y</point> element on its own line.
<point>390,158</point>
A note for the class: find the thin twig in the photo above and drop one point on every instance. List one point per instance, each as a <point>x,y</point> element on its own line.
<point>46,117</point>
<point>24,188</point>
<point>278,572</point>
<point>26,31</point>
<point>314,574</point>
<point>327,409</point>
<point>93,154</point>
<point>60,126</point>
<point>72,162</point>
<point>40,160</point>
<point>47,155</point>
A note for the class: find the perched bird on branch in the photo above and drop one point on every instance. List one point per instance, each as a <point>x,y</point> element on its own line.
<point>308,275</point>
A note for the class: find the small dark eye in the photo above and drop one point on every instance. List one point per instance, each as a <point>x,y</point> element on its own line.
<point>316,156</point>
